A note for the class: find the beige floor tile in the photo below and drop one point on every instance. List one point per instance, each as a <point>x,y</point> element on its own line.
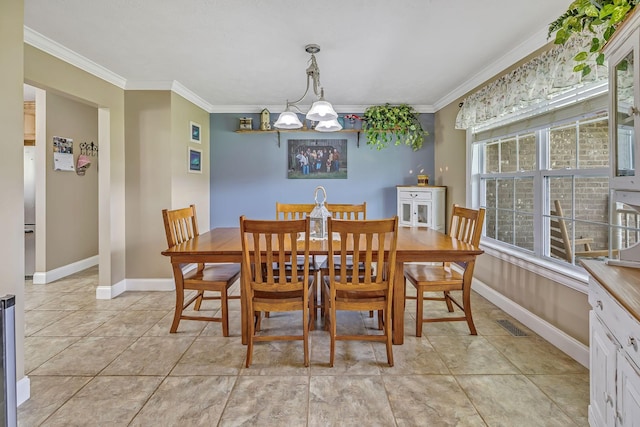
<point>267,401</point>
<point>186,327</point>
<point>211,356</point>
<point>533,355</point>
<point>78,323</point>
<point>123,301</point>
<point>433,400</point>
<point>132,323</point>
<point>351,357</point>
<point>47,395</point>
<point>37,350</point>
<point>349,401</point>
<point>186,401</point>
<point>512,400</point>
<point>68,301</point>
<point>101,402</point>
<point>284,358</point>
<point>88,356</point>
<point>416,356</point>
<point>471,355</point>
<point>36,320</point>
<point>569,392</point>
<point>34,299</point>
<point>150,356</point>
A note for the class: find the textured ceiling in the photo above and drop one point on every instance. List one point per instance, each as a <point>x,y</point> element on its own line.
<point>237,54</point>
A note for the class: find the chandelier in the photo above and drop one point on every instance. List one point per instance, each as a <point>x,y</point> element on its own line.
<point>321,111</point>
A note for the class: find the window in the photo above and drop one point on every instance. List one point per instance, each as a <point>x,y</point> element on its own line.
<point>546,190</point>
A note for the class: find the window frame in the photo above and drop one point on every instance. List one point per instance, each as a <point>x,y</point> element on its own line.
<point>572,276</point>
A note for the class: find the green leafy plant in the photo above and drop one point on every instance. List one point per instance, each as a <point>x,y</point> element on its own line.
<point>600,17</point>
<point>385,123</point>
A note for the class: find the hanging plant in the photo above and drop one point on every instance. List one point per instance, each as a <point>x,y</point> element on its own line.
<point>385,123</point>
<point>600,17</point>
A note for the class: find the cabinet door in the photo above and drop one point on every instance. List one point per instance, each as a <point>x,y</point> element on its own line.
<point>623,120</point>
<point>628,401</point>
<point>602,368</point>
<point>423,214</point>
<point>405,212</point>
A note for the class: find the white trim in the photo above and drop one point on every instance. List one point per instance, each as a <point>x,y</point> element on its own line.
<point>278,108</point>
<point>538,40</point>
<point>574,278</point>
<point>569,345</point>
<point>23,390</point>
<point>54,48</point>
<point>110,292</point>
<point>150,285</point>
<point>42,278</point>
<point>179,89</point>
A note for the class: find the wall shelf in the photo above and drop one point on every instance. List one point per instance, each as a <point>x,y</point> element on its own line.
<point>279,131</point>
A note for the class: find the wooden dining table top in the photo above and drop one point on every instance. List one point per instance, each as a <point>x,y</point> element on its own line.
<point>414,244</point>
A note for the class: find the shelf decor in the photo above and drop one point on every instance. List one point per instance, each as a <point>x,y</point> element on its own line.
<point>385,123</point>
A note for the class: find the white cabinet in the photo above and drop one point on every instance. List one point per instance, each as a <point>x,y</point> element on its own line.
<point>614,354</point>
<point>421,206</point>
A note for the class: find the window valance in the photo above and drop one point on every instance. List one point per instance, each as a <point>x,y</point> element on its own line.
<point>539,80</point>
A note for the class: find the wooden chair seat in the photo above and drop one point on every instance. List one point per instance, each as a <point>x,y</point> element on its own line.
<point>466,225</point>
<point>181,225</point>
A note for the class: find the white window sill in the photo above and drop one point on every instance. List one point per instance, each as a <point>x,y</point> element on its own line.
<point>570,276</point>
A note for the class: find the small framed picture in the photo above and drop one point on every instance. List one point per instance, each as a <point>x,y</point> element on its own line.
<point>194,132</point>
<point>195,160</point>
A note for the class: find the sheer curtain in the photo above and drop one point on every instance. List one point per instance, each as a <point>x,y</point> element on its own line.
<point>536,81</point>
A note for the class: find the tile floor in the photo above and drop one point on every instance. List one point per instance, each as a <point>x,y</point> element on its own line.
<point>113,363</point>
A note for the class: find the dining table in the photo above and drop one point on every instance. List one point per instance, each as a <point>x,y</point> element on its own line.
<point>414,244</point>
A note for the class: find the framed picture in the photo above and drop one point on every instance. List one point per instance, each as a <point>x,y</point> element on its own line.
<point>317,159</point>
<point>195,132</point>
<point>195,160</point>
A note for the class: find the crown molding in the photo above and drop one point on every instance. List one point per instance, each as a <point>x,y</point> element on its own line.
<point>189,95</point>
<point>538,40</point>
<point>65,54</point>
<point>345,109</point>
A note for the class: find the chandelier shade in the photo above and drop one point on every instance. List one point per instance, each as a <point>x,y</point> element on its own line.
<point>288,120</point>
<point>328,126</point>
<point>321,110</point>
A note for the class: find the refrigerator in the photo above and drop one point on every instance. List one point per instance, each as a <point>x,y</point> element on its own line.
<point>29,211</point>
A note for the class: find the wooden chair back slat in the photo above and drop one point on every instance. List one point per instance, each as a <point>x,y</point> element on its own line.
<point>180,225</point>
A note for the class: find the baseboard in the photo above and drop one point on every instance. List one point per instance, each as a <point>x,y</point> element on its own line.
<point>572,347</point>
<point>150,285</point>
<point>23,390</point>
<point>42,278</point>
<point>109,292</point>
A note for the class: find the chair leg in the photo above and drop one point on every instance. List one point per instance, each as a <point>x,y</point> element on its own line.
<point>419,311</point>
<point>198,303</point>
<point>381,320</point>
<point>387,332</point>
<point>224,308</point>
<point>333,330</point>
<point>447,299</point>
<point>311,320</point>
<point>466,299</point>
<point>305,329</point>
<point>177,314</point>
<point>250,338</point>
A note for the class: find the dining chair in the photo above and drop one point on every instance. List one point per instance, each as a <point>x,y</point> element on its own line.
<point>265,245</point>
<point>346,212</point>
<point>466,225</point>
<point>372,242</point>
<point>181,225</point>
<point>289,211</point>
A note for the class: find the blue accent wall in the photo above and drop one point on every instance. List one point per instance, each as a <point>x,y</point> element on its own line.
<point>249,171</point>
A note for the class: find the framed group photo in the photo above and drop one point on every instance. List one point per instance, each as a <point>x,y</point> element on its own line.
<point>317,159</point>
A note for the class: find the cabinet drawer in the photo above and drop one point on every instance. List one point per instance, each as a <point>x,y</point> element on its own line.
<point>416,195</point>
<point>624,327</point>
